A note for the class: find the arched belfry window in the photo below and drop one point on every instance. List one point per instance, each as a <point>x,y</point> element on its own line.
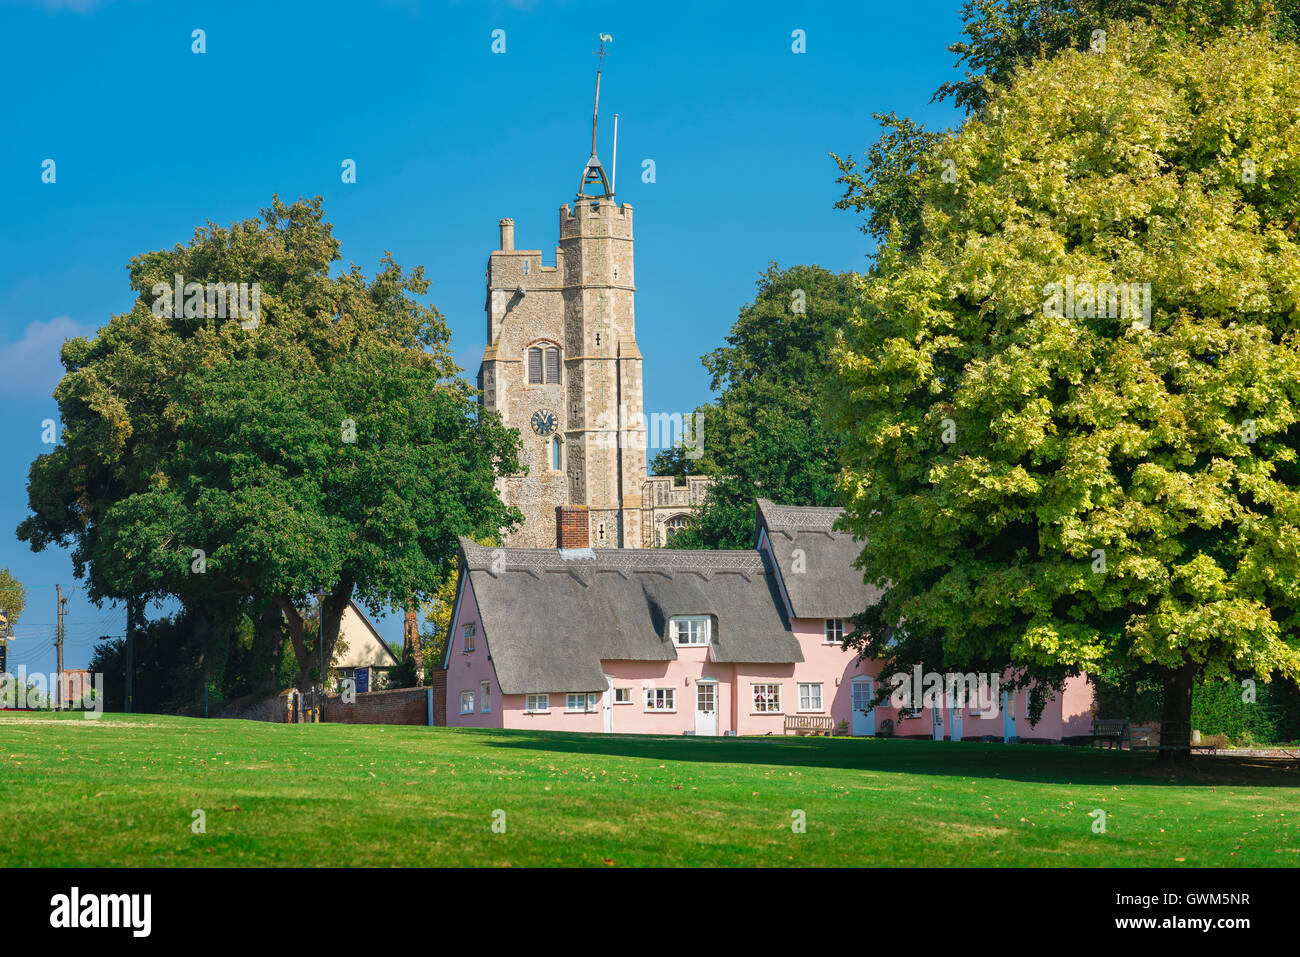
<point>543,365</point>
<point>672,526</point>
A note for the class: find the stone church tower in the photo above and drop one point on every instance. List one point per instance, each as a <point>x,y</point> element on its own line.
<point>562,366</point>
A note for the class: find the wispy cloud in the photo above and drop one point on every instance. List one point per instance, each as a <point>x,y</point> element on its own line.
<point>29,366</point>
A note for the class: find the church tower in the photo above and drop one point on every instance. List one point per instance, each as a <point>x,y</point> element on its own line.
<point>562,366</point>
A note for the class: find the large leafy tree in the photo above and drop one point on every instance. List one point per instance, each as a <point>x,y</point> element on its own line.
<point>1062,487</point>
<point>1001,37</point>
<point>763,434</point>
<point>328,448</point>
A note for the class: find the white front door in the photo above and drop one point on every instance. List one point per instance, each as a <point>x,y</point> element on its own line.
<point>954,728</point>
<point>1008,716</point>
<point>607,704</point>
<point>706,708</point>
<point>938,723</point>
<point>864,715</point>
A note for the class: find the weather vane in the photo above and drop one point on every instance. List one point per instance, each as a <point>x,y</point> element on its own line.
<point>593,173</point>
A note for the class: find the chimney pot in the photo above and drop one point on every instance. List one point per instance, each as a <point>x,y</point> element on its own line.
<point>507,235</point>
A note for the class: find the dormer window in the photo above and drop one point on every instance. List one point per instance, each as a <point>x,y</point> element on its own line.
<point>834,631</point>
<point>543,365</point>
<point>690,630</point>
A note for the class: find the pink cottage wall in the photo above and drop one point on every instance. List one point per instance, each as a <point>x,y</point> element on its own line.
<point>682,676</point>
<point>1066,715</point>
<point>467,669</point>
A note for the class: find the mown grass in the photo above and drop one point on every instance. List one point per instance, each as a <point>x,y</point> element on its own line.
<point>122,791</point>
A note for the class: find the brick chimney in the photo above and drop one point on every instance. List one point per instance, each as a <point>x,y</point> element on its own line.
<point>507,235</point>
<point>572,527</point>
<point>411,644</point>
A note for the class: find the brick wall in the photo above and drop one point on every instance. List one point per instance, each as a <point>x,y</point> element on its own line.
<point>440,697</point>
<point>399,706</point>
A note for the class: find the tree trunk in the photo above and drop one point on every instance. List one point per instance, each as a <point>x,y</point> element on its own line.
<point>268,633</point>
<point>1176,717</point>
<point>212,626</point>
<point>336,602</point>
<point>411,644</point>
<point>303,655</point>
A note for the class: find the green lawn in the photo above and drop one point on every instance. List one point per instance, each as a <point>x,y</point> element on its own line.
<point>121,791</point>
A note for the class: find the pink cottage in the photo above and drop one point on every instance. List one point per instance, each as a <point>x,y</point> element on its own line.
<point>672,641</point>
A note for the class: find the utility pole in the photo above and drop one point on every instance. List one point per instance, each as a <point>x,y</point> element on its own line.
<point>134,612</point>
<point>58,644</point>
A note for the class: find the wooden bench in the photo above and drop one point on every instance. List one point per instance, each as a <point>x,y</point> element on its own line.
<point>1110,732</point>
<point>811,723</point>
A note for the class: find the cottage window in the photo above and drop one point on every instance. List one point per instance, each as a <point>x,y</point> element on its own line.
<point>469,638</point>
<point>767,699</point>
<point>537,703</point>
<point>622,696</point>
<point>485,696</point>
<point>810,696</point>
<point>576,701</point>
<point>834,631</point>
<point>692,630</point>
<point>660,699</point>
<point>467,702</point>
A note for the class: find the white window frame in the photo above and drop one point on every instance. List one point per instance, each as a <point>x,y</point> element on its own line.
<point>821,696</point>
<point>675,627</point>
<point>829,628</point>
<point>753,697</point>
<point>467,702</point>
<point>485,697</point>
<point>669,697</point>
<point>626,696</point>
<point>590,702</point>
<point>531,702</point>
<point>467,639</point>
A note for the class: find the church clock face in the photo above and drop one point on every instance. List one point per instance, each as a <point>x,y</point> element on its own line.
<point>545,421</point>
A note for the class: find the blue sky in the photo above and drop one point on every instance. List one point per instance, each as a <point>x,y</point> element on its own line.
<point>151,140</point>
